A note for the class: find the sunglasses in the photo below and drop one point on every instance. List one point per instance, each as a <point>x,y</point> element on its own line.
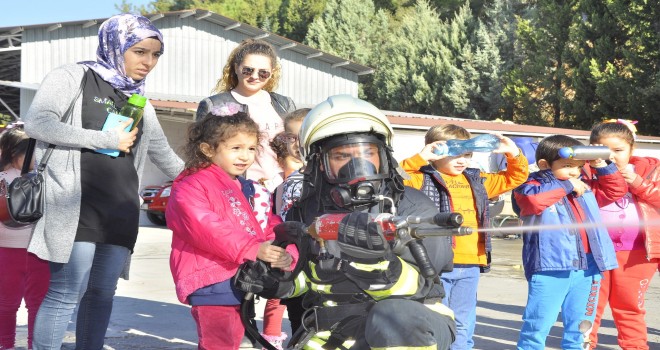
<point>248,71</point>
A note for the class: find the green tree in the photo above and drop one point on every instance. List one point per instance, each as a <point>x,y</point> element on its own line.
<point>393,5</point>
<point>172,5</point>
<point>537,86</point>
<point>500,17</point>
<point>351,29</point>
<point>258,13</point>
<point>126,7</point>
<point>295,16</point>
<point>616,66</point>
<point>413,66</point>
<point>475,86</point>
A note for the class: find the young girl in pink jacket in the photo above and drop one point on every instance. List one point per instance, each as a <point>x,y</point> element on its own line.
<point>633,226</point>
<point>219,221</point>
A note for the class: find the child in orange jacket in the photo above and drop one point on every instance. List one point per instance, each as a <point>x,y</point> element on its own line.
<point>455,187</point>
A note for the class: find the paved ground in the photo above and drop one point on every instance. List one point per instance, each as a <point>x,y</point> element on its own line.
<point>147,314</point>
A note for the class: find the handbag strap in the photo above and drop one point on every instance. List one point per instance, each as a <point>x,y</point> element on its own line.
<point>32,142</point>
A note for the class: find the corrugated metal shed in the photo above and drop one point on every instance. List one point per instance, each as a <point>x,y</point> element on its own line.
<point>197,44</point>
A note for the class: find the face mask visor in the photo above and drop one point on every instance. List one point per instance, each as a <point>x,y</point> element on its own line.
<point>355,162</point>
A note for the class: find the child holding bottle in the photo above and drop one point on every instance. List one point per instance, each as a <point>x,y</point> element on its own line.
<point>211,213</point>
<point>566,247</point>
<point>632,223</point>
<point>456,187</point>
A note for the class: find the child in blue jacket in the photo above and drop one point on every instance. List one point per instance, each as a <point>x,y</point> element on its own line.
<point>565,247</point>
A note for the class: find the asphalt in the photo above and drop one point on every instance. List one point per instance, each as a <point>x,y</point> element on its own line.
<point>147,314</point>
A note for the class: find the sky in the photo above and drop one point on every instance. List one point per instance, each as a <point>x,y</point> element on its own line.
<point>27,12</point>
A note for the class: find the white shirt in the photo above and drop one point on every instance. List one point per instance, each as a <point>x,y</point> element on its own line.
<point>265,167</point>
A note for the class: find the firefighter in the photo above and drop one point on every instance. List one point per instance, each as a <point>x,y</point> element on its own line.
<point>359,293</point>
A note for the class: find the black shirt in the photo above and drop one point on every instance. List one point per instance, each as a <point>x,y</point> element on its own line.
<point>110,206</point>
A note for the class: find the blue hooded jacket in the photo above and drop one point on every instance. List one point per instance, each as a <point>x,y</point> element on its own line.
<point>553,242</point>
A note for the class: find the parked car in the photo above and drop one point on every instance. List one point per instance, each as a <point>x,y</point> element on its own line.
<point>155,201</point>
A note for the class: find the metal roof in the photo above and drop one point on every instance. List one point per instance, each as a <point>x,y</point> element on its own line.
<point>9,34</point>
<point>10,69</point>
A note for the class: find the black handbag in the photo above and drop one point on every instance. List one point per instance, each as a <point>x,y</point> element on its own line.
<point>22,201</point>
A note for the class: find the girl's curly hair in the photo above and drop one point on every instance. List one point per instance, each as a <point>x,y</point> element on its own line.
<point>279,146</point>
<point>247,47</point>
<point>213,130</point>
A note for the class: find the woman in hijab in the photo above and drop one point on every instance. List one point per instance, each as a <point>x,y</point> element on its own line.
<point>91,217</point>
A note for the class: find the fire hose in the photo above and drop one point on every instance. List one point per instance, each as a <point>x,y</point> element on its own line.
<point>401,231</point>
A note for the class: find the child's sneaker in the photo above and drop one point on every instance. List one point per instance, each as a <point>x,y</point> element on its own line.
<point>276,341</point>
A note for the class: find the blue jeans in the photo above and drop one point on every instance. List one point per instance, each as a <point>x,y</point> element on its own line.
<point>93,269</point>
<point>461,296</point>
<point>574,293</point>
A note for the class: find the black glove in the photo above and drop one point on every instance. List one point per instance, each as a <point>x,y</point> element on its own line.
<point>254,277</point>
<point>289,232</point>
<point>361,240</point>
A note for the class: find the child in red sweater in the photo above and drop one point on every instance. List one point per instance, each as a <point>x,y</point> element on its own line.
<point>637,245</point>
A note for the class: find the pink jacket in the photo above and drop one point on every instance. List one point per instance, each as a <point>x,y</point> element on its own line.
<point>214,229</point>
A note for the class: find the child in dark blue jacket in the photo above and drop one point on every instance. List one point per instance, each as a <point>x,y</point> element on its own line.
<point>565,247</point>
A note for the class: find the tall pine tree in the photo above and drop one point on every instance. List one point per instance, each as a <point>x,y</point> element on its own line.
<point>351,29</point>
<point>297,15</point>
<point>537,86</point>
<point>616,67</point>
<point>413,66</point>
<point>475,88</point>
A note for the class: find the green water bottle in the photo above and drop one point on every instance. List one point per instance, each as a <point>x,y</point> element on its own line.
<point>134,108</point>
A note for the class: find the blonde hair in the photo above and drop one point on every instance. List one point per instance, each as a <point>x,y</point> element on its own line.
<point>444,132</point>
<point>296,116</point>
<point>247,47</point>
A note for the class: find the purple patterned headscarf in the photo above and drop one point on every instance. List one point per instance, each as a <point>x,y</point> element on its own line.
<point>116,35</point>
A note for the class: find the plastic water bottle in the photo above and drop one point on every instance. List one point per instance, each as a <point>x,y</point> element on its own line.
<point>585,152</point>
<point>481,143</point>
<point>134,108</point>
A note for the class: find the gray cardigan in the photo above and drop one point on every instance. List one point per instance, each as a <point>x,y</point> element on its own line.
<point>54,234</point>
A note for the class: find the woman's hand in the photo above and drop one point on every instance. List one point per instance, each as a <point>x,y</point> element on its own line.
<point>126,139</point>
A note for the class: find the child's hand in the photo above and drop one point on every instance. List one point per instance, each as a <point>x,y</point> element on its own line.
<point>284,263</point>
<point>629,175</point>
<point>579,187</point>
<point>600,163</point>
<point>271,253</point>
<point>507,146</point>
<point>427,152</point>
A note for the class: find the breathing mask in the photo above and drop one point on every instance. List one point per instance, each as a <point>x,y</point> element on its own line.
<point>354,164</point>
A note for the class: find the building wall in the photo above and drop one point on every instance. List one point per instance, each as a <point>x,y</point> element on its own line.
<point>195,54</point>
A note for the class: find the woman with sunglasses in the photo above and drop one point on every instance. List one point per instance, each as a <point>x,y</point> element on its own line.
<point>251,74</point>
